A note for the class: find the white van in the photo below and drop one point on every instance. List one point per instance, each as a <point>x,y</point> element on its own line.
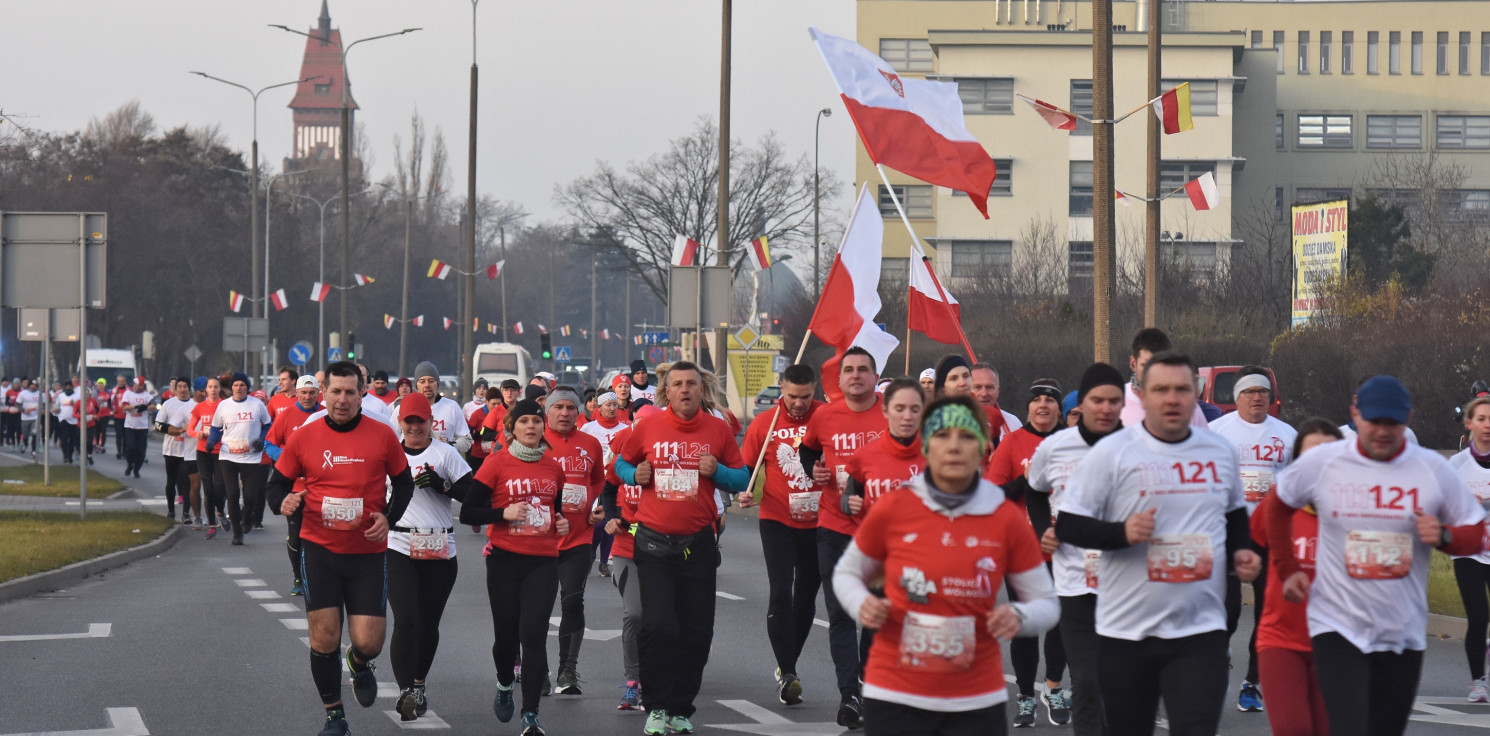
<point>499,361</point>
<point>108,363</point>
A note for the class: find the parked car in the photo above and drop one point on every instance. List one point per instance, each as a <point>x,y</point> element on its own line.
<point>766,399</point>
<point>1217,383</point>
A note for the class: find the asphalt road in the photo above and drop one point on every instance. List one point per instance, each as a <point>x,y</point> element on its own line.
<point>205,639</point>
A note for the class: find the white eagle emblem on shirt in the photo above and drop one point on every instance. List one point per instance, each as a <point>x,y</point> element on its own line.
<point>791,467</point>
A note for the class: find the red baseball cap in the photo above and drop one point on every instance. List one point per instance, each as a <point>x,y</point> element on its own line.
<point>414,405</point>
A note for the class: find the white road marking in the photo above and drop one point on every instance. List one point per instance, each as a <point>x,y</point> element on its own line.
<point>95,631</point>
<point>385,689</point>
<point>238,571</point>
<point>250,583</point>
<point>769,723</point>
<point>1434,712</point>
<point>280,607</point>
<point>590,634</point>
<point>820,622</point>
<point>728,596</point>
<point>151,501</point>
<point>295,624</point>
<point>122,722</point>
<point>261,594</point>
<point>427,722</point>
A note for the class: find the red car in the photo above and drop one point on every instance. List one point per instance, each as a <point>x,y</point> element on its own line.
<point>1216,384</point>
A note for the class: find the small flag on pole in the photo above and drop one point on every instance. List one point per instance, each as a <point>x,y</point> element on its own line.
<point>362,280</point>
<point>495,270</point>
<point>438,269</point>
<point>278,300</point>
<point>564,331</point>
<point>1202,191</point>
<point>517,329</point>
<point>1123,199</point>
<point>685,251</point>
<point>475,324</point>
<point>605,334</point>
<point>447,323</point>
<point>388,321</point>
<point>491,327</point>
<point>1173,109</point>
<point>1054,116</point>
<point>417,321</point>
<point>319,291</point>
<point>760,254</point>
<point>235,300</point>
<point>637,339</point>
<point>542,330</point>
<point>584,333</point>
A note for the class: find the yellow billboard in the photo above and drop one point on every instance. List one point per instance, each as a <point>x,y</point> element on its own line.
<point>1319,251</point>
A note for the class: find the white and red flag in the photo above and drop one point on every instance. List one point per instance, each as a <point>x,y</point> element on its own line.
<point>845,312</point>
<point>319,291</point>
<point>448,322</point>
<point>685,251</point>
<point>417,321</point>
<point>517,329</point>
<point>760,253</point>
<point>438,269</point>
<point>495,269</point>
<point>362,280</point>
<point>1056,117</point>
<point>235,300</point>
<point>388,321</point>
<point>564,331</point>
<point>278,300</point>
<point>491,327</point>
<point>605,333</point>
<point>1202,191</point>
<point>914,126</point>
<point>542,330</point>
<point>929,313</point>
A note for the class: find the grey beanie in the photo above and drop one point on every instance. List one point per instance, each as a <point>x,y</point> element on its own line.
<point>426,368</point>
<point>564,393</point>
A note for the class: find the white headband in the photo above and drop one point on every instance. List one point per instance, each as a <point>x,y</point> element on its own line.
<point>1255,380</point>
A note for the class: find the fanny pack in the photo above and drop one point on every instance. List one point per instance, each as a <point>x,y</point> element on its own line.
<point>410,530</point>
<point>658,546</point>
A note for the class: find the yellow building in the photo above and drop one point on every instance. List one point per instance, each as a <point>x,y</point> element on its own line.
<point>1292,102</point>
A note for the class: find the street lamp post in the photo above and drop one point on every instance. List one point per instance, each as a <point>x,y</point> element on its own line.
<point>468,337</point>
<point>817,241</point>
<point>321,306</point>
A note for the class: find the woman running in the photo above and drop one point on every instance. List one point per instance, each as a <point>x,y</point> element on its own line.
<point>201,428</point>
<point>1473,573</point>
<point>943,544</point>
<point>892,460</point>
<point>517,494</point>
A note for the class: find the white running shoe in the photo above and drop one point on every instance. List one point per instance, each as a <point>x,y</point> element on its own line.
<point>1478,692</point>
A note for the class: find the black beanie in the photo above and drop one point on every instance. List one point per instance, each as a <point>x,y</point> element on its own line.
<point>945,366</point>
<point>526,407</point>
<point>1046,387</point>
<point>533,393</point>
<point>1099,374</point>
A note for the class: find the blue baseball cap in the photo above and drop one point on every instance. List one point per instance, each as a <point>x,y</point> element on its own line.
<point>1069,403</point>
<point>1383,397</point>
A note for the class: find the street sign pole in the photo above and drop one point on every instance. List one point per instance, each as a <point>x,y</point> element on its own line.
<point>83,388</point>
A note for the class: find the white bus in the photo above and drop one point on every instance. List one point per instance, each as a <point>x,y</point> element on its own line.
<point>499,361</point>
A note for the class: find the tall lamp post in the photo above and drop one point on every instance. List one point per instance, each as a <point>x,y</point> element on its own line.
<point>468,337</point>
<point>346,155</point>
<point>253,208</point>
<point>321,306</point>
<point>817,241</point>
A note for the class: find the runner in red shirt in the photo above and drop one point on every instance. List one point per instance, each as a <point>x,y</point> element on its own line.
<point>492,427</point>
<point>345,462</point>
<point>307,402</point>
<point>943,545</point>
<point>517,493</point>
<point>286,396</point>
<point>892,460</point>
<point>481,448</point>
<point>620,500</point>
<point>788,523</point>
<point>836,433</point>
<point>584,477</point>
<point>201,428</point>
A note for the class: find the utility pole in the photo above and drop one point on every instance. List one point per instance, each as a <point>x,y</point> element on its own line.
<point>502,235</point>
<point>594,331</point>
<point>1104,258</point>
<point>720,353</point>
<point>468,313</point>
<point>1151,214</point>
<point>403,315</point>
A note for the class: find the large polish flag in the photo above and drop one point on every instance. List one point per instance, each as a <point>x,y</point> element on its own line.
<point>850,301</point>
<point>928,312</point>
<point>914,126</point>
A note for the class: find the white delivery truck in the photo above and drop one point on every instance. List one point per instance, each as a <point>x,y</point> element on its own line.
<point>499,361</point>
<point>108,363</point>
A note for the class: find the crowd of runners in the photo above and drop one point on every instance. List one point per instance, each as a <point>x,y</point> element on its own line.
<point>1109,529</point>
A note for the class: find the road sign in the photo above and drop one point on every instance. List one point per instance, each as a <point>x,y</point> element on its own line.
<point>333,353</point>
<point>58,325</point>
<point>193,354</point>
<point>657,354</point>
<point>45,258</point>
<point>561,354</point>
<point>300,352</point>
<point>245,334</point>
<point>656,338</point>
<point>747,336</point>
<point>779,364</point>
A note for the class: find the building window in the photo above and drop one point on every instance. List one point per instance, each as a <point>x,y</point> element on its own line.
<point>1347,52</point>
<point>1325,131</point>
<point>1203,96</point>
<point>1463,131</point>
<point>1278,131</point>
<point>1311,196</point>
<point>1303,52</point>
<point>1003,184</point>
<point>907,54</point>
<point>1174,174</point>
<point>1081,189</point>
<point>974,258</point>
<point>1441,52</point>
<point>1407,199</point>
<point>1081,104</point>
<point>986,96</point>
<point>1079,261</point>
<point>1257,39</point>
<point>1326,40</point>
<point>1196,256</point>
<point>1464,39</point>
<point>1485,52</point>
<point>1464,204</point>
<point>1278,45</point>
<point>915,198</point>
<point>1394,52</point>
<point>323,89</point>
<point>1417,52</point>
<point>1278,203</point>
<point>1373,41</point>
<point>895,271</point>
<point>1394,131</point>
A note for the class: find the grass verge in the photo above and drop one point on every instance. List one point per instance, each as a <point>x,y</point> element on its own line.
<point>32,542</point>
<point>1443,591</point>
<point>25,480</point>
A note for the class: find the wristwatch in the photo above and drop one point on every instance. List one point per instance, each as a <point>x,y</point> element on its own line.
<point>1445,537</point>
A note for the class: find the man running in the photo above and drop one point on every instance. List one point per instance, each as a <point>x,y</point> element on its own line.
<point>835,433</point>
<point>582,459</point>
<point>1149,342</point>
<point>135,402</point>
<point>30,400</point>
<point>639,379</point>
<point>307,403</point>
<point>346,515</point>
<point>1264,446</point>
<point>606,424</point>
<point>380,388</point>
<point>121,385</point>
<point>986,390</point>
<point>371,403</point>
<point>284,397</point>
<point>1163,501</point>
<point>449,422</point>
<point>238,430</point>
<point>928,382</point>
<point>788,523</point>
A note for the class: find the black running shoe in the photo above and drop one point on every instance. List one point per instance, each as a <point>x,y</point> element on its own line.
<point>336,724</point>
<point>364,682</point>
<point>568,681</point>
<point>851,712</point>
<point>502,704</point>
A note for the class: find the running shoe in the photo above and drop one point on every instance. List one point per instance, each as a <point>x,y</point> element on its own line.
<point>336,724</point>
<point>364,682</point>
<point>631,696</point>
<point>530,724</point>
<point>850,712</point>
<point>223,523</point>
<point>211,532</point>
<point>605,569</point>
<point>1057,706</point>
<point>298,588</point>
<point>568,681</point>
<point>258,527</point>
<point>1024,716</point>
<point>656,723</point>
<point>1249,700</point>
<point>788,688</point>
<point>548,686</point>
<point>196,523</point>
<point>502,705</point>
<point>421,700</point>
<point>679,724</point>
<point>405,705</point>
<point>1478,692</point>
<point>237,540</point>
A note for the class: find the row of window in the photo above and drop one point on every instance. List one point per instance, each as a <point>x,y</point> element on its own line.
<point>1451,204</point>
<point>995,96</point>
<point>917,198</point>
<point>1384,132</point>
<point>1442,57</point>
<point>967,259</point>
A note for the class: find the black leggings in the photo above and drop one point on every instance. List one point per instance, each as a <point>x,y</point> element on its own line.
<point>213,493</point>
<point>848,655</point>
<point>521,589</point>
<point>1025,653</point>
<point>894,719</point>
<point>134,448</point>
<point>1079,639</point>
<point>1474,578</point>
<point>1365,694</point>
<point>574,569</point>
<point>417,591</point>
<point>1189,673</point>
<point>1234,611</point>
<point>174,485</point>
<point>292,541</point>
<point>245,479</point>
<point>791,568</point>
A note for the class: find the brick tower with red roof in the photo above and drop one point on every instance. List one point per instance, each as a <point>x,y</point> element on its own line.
<point>317,104</point>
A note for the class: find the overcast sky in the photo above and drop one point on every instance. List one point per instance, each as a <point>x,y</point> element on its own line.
<point>564,83</point>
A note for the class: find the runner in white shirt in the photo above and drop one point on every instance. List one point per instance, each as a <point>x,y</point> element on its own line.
<point>640,389</point>
<point>1264,446</point>
<point>170,421</point>
<point>136,403</point>
<point>1473,572</point>
<point>1163,500</point>
<point>478,397</point>
<point>448,423</point>
<point>1384,505</point>
<point>1075,570</point>
<point>605,426</point>
<point>239,426</point>
<point>1350,434</point>
<point>30,400</point>
<point>1146,344</point>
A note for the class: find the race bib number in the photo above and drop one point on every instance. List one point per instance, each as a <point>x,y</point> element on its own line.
<point>803,506</point>
<point>344,514</point>
<point>1090,561</point>
<point>538,521</point>
<point>840,476</point>
<point>1180,558</point>
<point>429,544</point>
<point>675,484</point>
<point>1378,555</point>
<point>574,498</point>
<point>237,447</point>
<point>938,643</point>
<point>1256,484</point>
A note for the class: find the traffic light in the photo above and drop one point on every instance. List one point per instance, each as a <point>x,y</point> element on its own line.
<point>545,347</point>
<point>352,346</point>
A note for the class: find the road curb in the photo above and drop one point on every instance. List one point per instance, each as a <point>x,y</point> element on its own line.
<point>1446,627</point>
<point>56,579</point>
